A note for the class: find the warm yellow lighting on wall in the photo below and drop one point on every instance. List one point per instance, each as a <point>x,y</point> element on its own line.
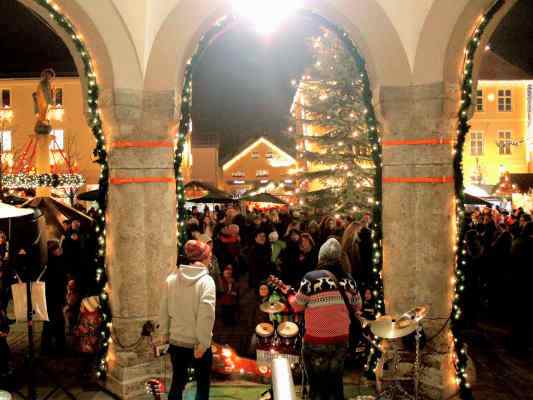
<point>6,114</point>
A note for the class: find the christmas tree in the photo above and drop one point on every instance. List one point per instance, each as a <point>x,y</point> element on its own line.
<point>328,124</point>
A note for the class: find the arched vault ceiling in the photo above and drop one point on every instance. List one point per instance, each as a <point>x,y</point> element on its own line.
<point>365,20</point>
<point>408,18</point>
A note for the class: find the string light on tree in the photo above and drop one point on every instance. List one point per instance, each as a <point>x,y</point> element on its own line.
<point>332,109</point>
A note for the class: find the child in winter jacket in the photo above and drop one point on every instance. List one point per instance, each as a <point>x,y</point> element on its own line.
<point>229,300</point>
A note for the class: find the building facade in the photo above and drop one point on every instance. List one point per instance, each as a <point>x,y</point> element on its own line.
<point>205,160</point>
<point>260,163</point>
<point>72,140</point>
<point>501,134</point>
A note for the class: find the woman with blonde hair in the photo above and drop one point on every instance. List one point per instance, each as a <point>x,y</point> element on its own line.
<point>351,257</point>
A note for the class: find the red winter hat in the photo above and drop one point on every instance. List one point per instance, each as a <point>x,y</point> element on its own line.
<point>196,250</point>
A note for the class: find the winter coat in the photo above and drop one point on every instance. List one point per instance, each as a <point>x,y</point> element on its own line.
<point>259,264</point>
<point>277,247</point>
<point>187,311</point>
<point>55,277</point>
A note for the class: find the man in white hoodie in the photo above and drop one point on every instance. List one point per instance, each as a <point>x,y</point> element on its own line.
<point>187,317</point>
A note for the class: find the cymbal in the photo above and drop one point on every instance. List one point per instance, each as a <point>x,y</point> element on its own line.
<point>388,328</point>
<point>272,308</point>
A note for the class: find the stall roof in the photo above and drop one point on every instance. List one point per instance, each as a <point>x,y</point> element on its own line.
<point>214,195</point>
<point>264,198</point>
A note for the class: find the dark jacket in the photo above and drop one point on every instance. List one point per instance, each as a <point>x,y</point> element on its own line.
<point>259,264</point>
<point>55,277</point>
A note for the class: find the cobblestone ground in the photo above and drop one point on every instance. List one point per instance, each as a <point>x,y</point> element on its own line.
<point>501,375</point>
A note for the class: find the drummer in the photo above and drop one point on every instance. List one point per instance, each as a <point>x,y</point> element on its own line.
<point>270,296</point>
<point>326,320</point>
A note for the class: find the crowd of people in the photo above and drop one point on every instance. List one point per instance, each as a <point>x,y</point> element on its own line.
<point>499,250</point>
<point>282,242</point>
<point>69,276</point>
<point>320,262</point>
<point>304,254</point>
<point>314,264</point>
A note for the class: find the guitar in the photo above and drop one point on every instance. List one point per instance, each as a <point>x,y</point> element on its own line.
<point>280,285</point>
<point>155,387</point>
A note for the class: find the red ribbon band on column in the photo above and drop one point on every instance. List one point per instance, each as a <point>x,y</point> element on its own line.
<point>422,179</point>
<point>388,143</point>
<point>141,144</point>
<point>126,181</point>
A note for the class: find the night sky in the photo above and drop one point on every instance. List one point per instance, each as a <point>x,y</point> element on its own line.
<point>242,85</point>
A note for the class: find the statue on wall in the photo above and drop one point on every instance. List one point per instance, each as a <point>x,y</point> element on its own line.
<point>43,100</point>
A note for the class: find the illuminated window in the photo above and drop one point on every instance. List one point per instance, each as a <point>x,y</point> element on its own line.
<point>504,143</point>
<point>476,143</point>
<point>504,100</point>
<point>58,94</point>
<point>479,100</point>
<point>6,141</point>
<point>6,98</point>
<point>261,173</point>
<point>255,155</point>
<point>238,174</point>
<point>58,141</point>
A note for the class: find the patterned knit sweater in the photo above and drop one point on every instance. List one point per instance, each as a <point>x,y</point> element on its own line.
<point>326,317</point>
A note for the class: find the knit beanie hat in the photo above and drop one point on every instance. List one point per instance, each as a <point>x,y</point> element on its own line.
<point>231,230</point>
<point>273,236</point>
<point>196,250</point>
<point>330,252</point>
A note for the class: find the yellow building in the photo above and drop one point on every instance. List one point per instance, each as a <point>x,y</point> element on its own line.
<point>259,163</point>
<point>73,137</point>
<point>501,133</point>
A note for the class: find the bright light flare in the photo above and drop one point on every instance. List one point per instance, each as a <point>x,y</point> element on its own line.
<point>266,15</point>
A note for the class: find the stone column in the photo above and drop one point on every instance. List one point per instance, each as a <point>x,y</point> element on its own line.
<point>141,233</point>
<point>419,219</point>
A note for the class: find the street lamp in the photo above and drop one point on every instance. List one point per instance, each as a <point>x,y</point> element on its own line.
<point>266,15</point>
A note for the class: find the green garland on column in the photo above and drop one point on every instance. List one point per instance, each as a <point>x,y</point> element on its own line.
<point>95,123</point>
<point>185,122</point>
<point>372,130</point>
<point>460,355</point>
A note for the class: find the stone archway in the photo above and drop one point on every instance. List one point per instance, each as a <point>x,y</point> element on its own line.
<point>97,74</point>
<point>400,73</point>
<point>365,21</point>
<point>430,124</point>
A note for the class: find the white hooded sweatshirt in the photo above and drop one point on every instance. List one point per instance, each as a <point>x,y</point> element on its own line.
<point>187,313</point>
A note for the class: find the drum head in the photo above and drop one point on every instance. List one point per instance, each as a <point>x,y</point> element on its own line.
<point>288,329</point>
<point>264,329</point>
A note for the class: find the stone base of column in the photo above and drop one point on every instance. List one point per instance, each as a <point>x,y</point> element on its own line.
<point>437,378</point>
<point>129,381</point>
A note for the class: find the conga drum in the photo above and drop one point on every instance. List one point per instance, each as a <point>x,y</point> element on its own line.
<point>288,338</point>
<point>265,335</point>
